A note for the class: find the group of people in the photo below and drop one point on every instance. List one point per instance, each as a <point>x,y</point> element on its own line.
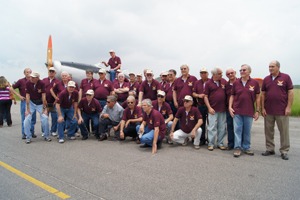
<point>179,109</point>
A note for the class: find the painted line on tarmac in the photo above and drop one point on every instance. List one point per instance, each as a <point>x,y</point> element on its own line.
<point>35,181</point>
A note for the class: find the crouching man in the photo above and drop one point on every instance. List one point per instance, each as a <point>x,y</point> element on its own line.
<point>89,108</point>
<point>190,120</point>
<point>66,109</point>
<point>153,128</point>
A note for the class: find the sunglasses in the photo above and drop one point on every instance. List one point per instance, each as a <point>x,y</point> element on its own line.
<point>186,101</point>
<point>203,72</point>
<point>51,71</point>
<point>130,102</point>
<point>230,73</point>
<point>160,96</point>
<point>182,68</point>
<point>243,70</point>
<point>88,95</point>
<point>149,74</point>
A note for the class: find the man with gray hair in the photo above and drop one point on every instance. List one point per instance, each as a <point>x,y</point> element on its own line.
<point>215,100</point>
<point>277,100</point>
<point>111,115</point>
<point>153,128</point>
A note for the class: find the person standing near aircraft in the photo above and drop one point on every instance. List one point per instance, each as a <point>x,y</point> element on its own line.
<point>231,75</point>
<point>103,88</point>
<point>169,89</point>
<point>49,82</point>
<point>277,100</point>
<point>245,93</point>
<point>198,94</point>
<point>36,101</point>
<point>86,84</point>
<point>121,88</point>
<point>66,107</point>
<point>115,63</point>
<point>215,100</point>
<point>21,85</point>
<point>60,86</point>
<point>183,86</point>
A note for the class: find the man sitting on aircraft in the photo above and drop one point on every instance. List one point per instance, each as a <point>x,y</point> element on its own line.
<point>114,63</point>
<point>66,110</point>
<point>111,115</point>
<point>86,84</point>
<point>88,109</point>
<point>131,117</point>
<point>103,88</point>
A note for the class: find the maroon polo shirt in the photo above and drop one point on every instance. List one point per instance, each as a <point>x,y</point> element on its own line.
<point>86,85</point>
<point>165,109</point>
<point>183,88</point>
<point>35,91</point>
<point>150,91</point>
<point>92,108</point>
<point>48,85</point>
<point>276,93</point>
<point>228,88</point>
<point>187,121</point>
<point>134,86</point>
<point>21,85</point>
<point>244,96</point>
<point>127,114</point>
<point>114,62</point>
<point>216,94</point>
<point>122,96</point>
<point>163,85</point>
<point>199,88</point>
<point>124,104</point>
<point>169,92</point>
<point>65,101</point>
<point>155,119</point>
<point>102,90</point>
<point>59,87</point>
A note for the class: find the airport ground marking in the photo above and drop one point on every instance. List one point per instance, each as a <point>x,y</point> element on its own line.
<point>35,181</point>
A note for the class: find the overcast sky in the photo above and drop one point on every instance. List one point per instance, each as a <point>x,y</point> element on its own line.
<point>152,34</point>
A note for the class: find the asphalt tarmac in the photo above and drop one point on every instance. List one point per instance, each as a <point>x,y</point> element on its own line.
<point>121,170</point>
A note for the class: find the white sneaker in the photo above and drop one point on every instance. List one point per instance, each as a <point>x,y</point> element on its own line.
<point>61,141</point>
<point>73,138</point>
<point>196,146</point>
<point>54,134</point>
<point>43,134</point>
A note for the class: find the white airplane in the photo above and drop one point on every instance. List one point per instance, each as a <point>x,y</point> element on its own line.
<point>77,70</point>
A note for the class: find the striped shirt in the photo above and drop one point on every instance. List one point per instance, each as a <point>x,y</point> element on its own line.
<point>4,94</point>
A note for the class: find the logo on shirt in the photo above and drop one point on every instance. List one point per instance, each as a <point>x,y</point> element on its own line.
<point>223,86</point>
<point>150,122</point>
<point>153,87</point>
<point>106,85</point>
<point>192,117</point>
<point>251,88</point>
<point>39,90</point>
<point>135,116</point>
<point>190,83</point>
<point>280,83</point>
<point>93,109</point>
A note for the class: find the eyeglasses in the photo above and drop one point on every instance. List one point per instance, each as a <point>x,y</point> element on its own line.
<point>160,96</point>
<point>107,101</point>
<point>88,95</point>
<point>243,70</point>
<point>149,75</point>
<point>230,73</point>
<point>130,102</point>
<point>271,66</point>
<point>203,72</point>
<point>100,73</point>
<point>182,69</point>
<point>186,101</point>
<point>220,74</point>
<point>170,74</point>
<point>51,71</point>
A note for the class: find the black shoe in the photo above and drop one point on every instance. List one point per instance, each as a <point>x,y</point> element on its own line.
<point>268,153</point>
<point>144,146</point>
<point>84,137</point>
<point>97,137</point>
<point>159,143</point>
<point>23,137</point>
<point>202,142</point>
<point>284,156</point>
<point>33,135</point>
<point>103,137</point>
<point>47,139</point>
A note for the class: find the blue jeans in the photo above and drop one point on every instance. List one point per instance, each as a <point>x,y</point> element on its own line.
<point>112,75</point>
<point>28,120</point>
<point>242,131</point>
<point>203,110</point>
<point>230,130</point>
<point>68,115</point>
<point>216,128</point>
<point>86,119</point>
<point>33,117</point>
<point>102,103</point>
<point>53,113</point>
<point>148,136</point>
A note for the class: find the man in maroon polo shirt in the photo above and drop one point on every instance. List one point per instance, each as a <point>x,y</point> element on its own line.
<point>86,84</point>
<point>49,82</point>
<point>132,116</point>
<point>115,63</point>
<point>66,110</point>
<point>169,89</point>
<point>139,78</point>
<point>183,86</point>
<point>244,94</point>
<point>60,86</point>
<point>215,100</point>
<point>164,80</point>
<point>121,88</point>
<point>277,100</point>
<point>148,89</point>
<point>198,94</point>
<point>153,128</point>
<point>190,120</point>
<point>103,88</point>
<point>133,84</point>
<point>89,108</point>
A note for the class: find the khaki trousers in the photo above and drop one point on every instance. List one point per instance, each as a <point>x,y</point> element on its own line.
<point>283,127</point>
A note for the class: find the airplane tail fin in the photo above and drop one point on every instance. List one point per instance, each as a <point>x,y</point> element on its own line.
<point>49,53</point>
